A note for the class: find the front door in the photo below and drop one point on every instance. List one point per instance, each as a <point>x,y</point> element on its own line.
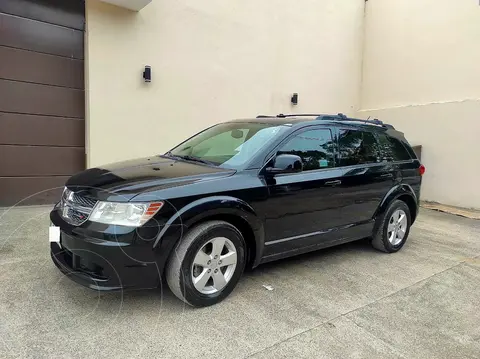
<point>303,207</point>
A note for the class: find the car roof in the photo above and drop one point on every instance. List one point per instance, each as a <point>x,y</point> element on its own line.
<point>304,119</point>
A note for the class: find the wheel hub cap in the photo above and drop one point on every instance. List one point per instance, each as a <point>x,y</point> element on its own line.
<point>214,265</point>
<point>397,227</point>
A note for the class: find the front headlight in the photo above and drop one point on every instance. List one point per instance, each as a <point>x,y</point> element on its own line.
<point>124,214</point>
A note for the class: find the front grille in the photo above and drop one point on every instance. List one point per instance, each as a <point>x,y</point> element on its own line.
<point>76,209</point>
<point>76,217</point>
<point>84,201</point>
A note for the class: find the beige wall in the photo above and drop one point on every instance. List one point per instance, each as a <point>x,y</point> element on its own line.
<point>213,60</point>
<point>421,72</point>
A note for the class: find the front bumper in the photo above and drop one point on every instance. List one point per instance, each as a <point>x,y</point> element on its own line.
<point>63,260</point>
<point>106,258</point>
<point>110,271</point>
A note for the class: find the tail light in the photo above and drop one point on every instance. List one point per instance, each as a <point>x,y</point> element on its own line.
<point>421,170</point>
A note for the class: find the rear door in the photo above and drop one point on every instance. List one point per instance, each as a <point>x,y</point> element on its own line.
<point>368,174</point>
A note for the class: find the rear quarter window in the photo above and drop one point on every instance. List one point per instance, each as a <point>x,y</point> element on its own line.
<point>392,149</point>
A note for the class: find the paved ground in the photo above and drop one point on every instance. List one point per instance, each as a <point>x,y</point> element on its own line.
<point>345,302</point>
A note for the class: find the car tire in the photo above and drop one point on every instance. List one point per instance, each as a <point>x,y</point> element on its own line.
<point>198,256</point>
<point>392,228</point>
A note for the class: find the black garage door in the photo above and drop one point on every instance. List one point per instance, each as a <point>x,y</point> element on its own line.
<point>42,106</point>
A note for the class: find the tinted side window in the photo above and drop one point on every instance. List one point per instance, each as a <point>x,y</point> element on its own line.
<point>392,149</point>
<point>315,148</point>
<point>357,147</point>
<point>384,150</point>
<point>400,153</point>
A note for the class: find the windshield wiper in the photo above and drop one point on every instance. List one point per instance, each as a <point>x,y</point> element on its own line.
<point>191,158</point>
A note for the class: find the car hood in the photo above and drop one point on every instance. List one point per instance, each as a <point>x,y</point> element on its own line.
<point>124,180</point>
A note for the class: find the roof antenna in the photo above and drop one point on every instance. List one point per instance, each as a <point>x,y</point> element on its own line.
<point>368,118</point>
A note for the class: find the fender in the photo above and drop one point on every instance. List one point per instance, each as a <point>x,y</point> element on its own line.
<point>393,194</point>
<point>212,206</point>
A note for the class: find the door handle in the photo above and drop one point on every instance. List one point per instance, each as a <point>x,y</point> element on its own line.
<point>333,183</point>
<point>387,175</point>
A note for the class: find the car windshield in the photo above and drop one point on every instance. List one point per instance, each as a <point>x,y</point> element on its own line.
<point>229,145</point>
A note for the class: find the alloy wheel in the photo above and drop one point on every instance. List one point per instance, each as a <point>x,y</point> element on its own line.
<point>397,227</point>
<point>214,265</point>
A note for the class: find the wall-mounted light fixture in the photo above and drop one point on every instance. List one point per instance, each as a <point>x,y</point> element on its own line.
<point>147,74</point>
<point>294,99</point>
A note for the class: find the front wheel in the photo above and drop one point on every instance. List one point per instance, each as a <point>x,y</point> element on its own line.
<point>393,228</point>
<point>207,264</point>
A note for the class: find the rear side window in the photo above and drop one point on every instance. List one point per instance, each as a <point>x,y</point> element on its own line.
<point>391,149</point>
<point>357,147</point>
<point>315,148</point>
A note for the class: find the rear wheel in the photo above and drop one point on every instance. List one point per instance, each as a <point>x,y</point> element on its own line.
<point>207,264</point>
<point>393,228</point>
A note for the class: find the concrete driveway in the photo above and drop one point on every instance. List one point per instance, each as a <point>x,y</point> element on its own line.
<point>345,302</point>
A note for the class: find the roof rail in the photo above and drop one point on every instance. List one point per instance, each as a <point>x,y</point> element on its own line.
<point>337,117</point>
<point>342,117</point>
<point>281,115</point>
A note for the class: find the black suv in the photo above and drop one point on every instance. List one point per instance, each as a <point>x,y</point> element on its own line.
<point>236,195</point>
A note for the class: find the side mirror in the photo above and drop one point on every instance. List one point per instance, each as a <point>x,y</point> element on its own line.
<point>286,164</point>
